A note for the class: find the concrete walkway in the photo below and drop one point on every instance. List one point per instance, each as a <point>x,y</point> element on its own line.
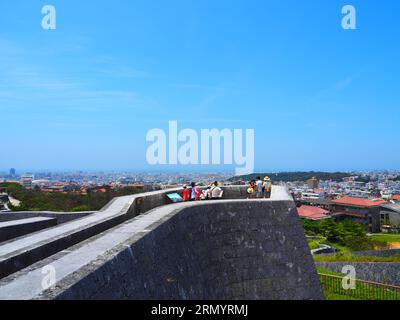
<point>13,229</point>
<point>17,254</point>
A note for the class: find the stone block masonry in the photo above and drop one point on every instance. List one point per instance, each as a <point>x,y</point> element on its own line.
<point>224,249</point>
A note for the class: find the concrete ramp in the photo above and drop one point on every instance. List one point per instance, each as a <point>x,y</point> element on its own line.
<point>13,229</point>
<point>22,252</point>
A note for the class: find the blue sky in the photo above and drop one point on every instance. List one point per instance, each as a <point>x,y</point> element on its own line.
<point>84,95</point>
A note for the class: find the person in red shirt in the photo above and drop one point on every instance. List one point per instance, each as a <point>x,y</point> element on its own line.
<point>186,193</point>
<point>198,194</point>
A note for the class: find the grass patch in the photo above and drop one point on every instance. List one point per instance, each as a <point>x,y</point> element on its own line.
<point>337,297</point>
<point>385,238</point>
<point>385,241</point>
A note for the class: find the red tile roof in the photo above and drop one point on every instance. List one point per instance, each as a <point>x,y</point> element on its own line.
<point>359,202</point>
<point>396,197</point>
<point>310,212</point>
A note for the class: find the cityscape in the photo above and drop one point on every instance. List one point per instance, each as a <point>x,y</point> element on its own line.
<point>359,184</point>
<point>349,195</point>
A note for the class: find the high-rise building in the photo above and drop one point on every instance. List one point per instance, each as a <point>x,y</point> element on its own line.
<point>26,180</point>
<point>13,172</point>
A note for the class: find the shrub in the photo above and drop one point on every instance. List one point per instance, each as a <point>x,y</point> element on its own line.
<point>344,233</point>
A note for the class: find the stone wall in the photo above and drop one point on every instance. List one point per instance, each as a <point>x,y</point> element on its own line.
<point>378,253</point>
<point>213,250</point>
<point>23,252</point>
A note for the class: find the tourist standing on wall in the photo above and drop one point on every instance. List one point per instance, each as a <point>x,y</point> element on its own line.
<point>259,185</point>
<point>267,187</point>
<point>198,194</point>
<point>193,194</point>
<point>251,190</point>
<point>207,193</point>
<point>216,191</point>
<point>186,193</point>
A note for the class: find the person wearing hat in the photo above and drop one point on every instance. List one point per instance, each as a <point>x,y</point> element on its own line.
<point>251,190</point>
<point>267,187</point>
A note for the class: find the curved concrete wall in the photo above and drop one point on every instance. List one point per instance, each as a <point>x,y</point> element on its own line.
<point>210,250</point>
<point>223,249</point>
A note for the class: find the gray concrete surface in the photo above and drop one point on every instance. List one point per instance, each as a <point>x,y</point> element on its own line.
<point>13,229</point>
<point>20,253</point>
<point>62,217</point>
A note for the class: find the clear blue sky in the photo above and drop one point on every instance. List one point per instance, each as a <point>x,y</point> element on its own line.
<point>85,95</point>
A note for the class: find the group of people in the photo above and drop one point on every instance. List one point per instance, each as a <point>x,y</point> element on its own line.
<point>260,188</point>
<point>194,193</point>
<point>257,189</point>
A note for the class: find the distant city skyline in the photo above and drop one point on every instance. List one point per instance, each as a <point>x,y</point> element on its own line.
<point>189,171</point>
<point>83,96</point>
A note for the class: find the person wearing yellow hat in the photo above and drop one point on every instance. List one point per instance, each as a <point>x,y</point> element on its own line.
<point>251,190</point>
<point>267,187</point>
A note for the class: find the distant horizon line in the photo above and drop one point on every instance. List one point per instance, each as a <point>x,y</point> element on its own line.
<point>185,171</point>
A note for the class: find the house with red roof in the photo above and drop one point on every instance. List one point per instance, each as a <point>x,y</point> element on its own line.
<point>359,202</point>
<point>312,213</point>
<point>396,197</point>
<point>366,211</point>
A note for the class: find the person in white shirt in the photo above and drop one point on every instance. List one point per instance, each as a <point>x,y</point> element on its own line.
<point>207,193</point>
<point>216,191</point>
<point>259,184</point>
